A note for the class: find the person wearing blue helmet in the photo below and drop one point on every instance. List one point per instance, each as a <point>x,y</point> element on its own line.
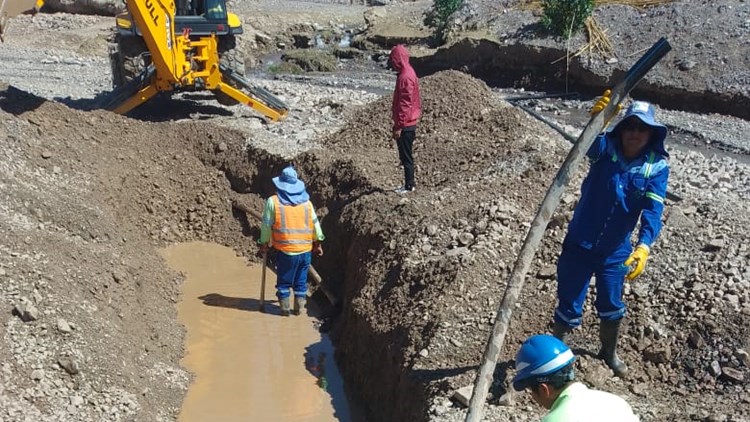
<point>626,185</point>
<point>545,367</point>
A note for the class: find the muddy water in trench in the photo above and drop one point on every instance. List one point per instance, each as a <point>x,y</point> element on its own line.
<point>248,365</point>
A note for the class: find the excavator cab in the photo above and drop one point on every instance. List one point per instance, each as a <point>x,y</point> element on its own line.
<point>215,9</point>
<point>199,17</point>
<point>211,10</point>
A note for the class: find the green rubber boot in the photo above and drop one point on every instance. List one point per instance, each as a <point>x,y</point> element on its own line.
<point>561,331</point>
<point>284,305</point>
<point>609,334</point>
<point>299,304</point>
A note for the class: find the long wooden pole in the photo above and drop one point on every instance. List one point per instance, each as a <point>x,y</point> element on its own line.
<point>543,215</point>
<point>263,282</point>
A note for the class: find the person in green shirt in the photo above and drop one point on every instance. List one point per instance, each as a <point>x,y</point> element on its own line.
<point>545,367</point>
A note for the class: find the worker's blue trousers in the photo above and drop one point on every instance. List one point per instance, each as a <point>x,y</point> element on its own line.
<point>291,273</point>
<point>574,270</point>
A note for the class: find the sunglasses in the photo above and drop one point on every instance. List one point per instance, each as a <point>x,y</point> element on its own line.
<point>636,125</point>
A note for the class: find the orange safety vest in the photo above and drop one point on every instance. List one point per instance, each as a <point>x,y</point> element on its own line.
<point>293,229</point>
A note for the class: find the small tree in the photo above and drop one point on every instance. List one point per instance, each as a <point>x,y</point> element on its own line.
<point>565,17</point>
<point>439,17</point>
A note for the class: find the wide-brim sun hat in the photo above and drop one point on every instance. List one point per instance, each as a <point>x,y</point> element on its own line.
<point>644,112</point>
<point>539,356</point>
<point>289,182</point>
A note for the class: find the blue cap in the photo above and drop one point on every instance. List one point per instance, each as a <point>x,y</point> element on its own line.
<point>645,112</point>
<point>540,355</point>
<point>290,189</point>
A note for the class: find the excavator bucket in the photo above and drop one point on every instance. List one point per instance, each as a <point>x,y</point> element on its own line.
<point>13,8</point>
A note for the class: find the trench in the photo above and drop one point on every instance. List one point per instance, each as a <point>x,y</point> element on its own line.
<point>287,371</point>
<point>371,361</point>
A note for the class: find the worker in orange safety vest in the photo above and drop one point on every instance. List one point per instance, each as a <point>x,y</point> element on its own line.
<point>291,226</point>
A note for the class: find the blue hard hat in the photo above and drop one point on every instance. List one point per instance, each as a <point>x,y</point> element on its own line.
<point>540,355</point>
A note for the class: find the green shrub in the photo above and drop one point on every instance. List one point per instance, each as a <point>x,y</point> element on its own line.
<point>565,17</point>
<point>439,17</point>
<point>284,67</point>
<point>311,59</point>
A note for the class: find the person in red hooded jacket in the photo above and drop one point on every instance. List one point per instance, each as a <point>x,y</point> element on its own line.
<point>406,110</point>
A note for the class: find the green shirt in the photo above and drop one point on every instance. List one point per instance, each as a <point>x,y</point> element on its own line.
<point>578,403</point>
<point>269,216</point>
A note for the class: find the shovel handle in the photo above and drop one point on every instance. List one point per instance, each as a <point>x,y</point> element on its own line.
<point>263,280</point>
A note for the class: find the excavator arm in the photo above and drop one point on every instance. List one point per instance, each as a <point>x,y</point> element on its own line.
<point>12,8</point>
<point>155,18</point>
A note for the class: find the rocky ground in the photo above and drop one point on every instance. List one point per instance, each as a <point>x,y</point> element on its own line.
<point>88,196</point>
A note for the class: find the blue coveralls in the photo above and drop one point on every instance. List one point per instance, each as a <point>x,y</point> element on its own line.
<point>614,196</point>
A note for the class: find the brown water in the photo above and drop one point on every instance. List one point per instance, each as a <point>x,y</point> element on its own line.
<point>248,365</point>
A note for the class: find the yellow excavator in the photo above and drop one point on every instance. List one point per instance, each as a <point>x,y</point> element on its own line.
<point>163,46</point>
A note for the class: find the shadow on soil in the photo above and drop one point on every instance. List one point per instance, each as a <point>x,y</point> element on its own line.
<point>162,108</point>
<point>239,303</point>
<point>15,101</point>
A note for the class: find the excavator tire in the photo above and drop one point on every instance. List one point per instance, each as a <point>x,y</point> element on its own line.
<point>231,57</point>
<point>128,56</point>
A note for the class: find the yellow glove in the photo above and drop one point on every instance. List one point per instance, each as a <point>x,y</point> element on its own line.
<point>638,259</point>
<point>601,103</point>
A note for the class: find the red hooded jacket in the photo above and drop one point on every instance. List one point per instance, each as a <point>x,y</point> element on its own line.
<point>407,107</point>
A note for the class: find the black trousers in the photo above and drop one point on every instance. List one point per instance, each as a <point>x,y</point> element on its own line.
<point>405,144</point>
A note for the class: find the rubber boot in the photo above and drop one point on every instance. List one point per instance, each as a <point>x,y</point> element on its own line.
<point>609,333</point>
<point>284,305</point>
<point>299,304</point>
<point>561,331</point>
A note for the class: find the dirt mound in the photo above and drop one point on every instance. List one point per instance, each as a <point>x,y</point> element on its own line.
<point>461,129</point>
<point>87,198</point>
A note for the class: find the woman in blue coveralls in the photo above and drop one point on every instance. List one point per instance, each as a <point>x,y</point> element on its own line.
<point>627,183</point>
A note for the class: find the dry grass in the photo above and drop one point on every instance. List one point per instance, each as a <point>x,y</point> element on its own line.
<point>598,42</point>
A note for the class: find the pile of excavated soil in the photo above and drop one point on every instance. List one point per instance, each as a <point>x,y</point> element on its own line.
<point>459,135</point>
<point>89,327</point>
<point>436,260</point>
